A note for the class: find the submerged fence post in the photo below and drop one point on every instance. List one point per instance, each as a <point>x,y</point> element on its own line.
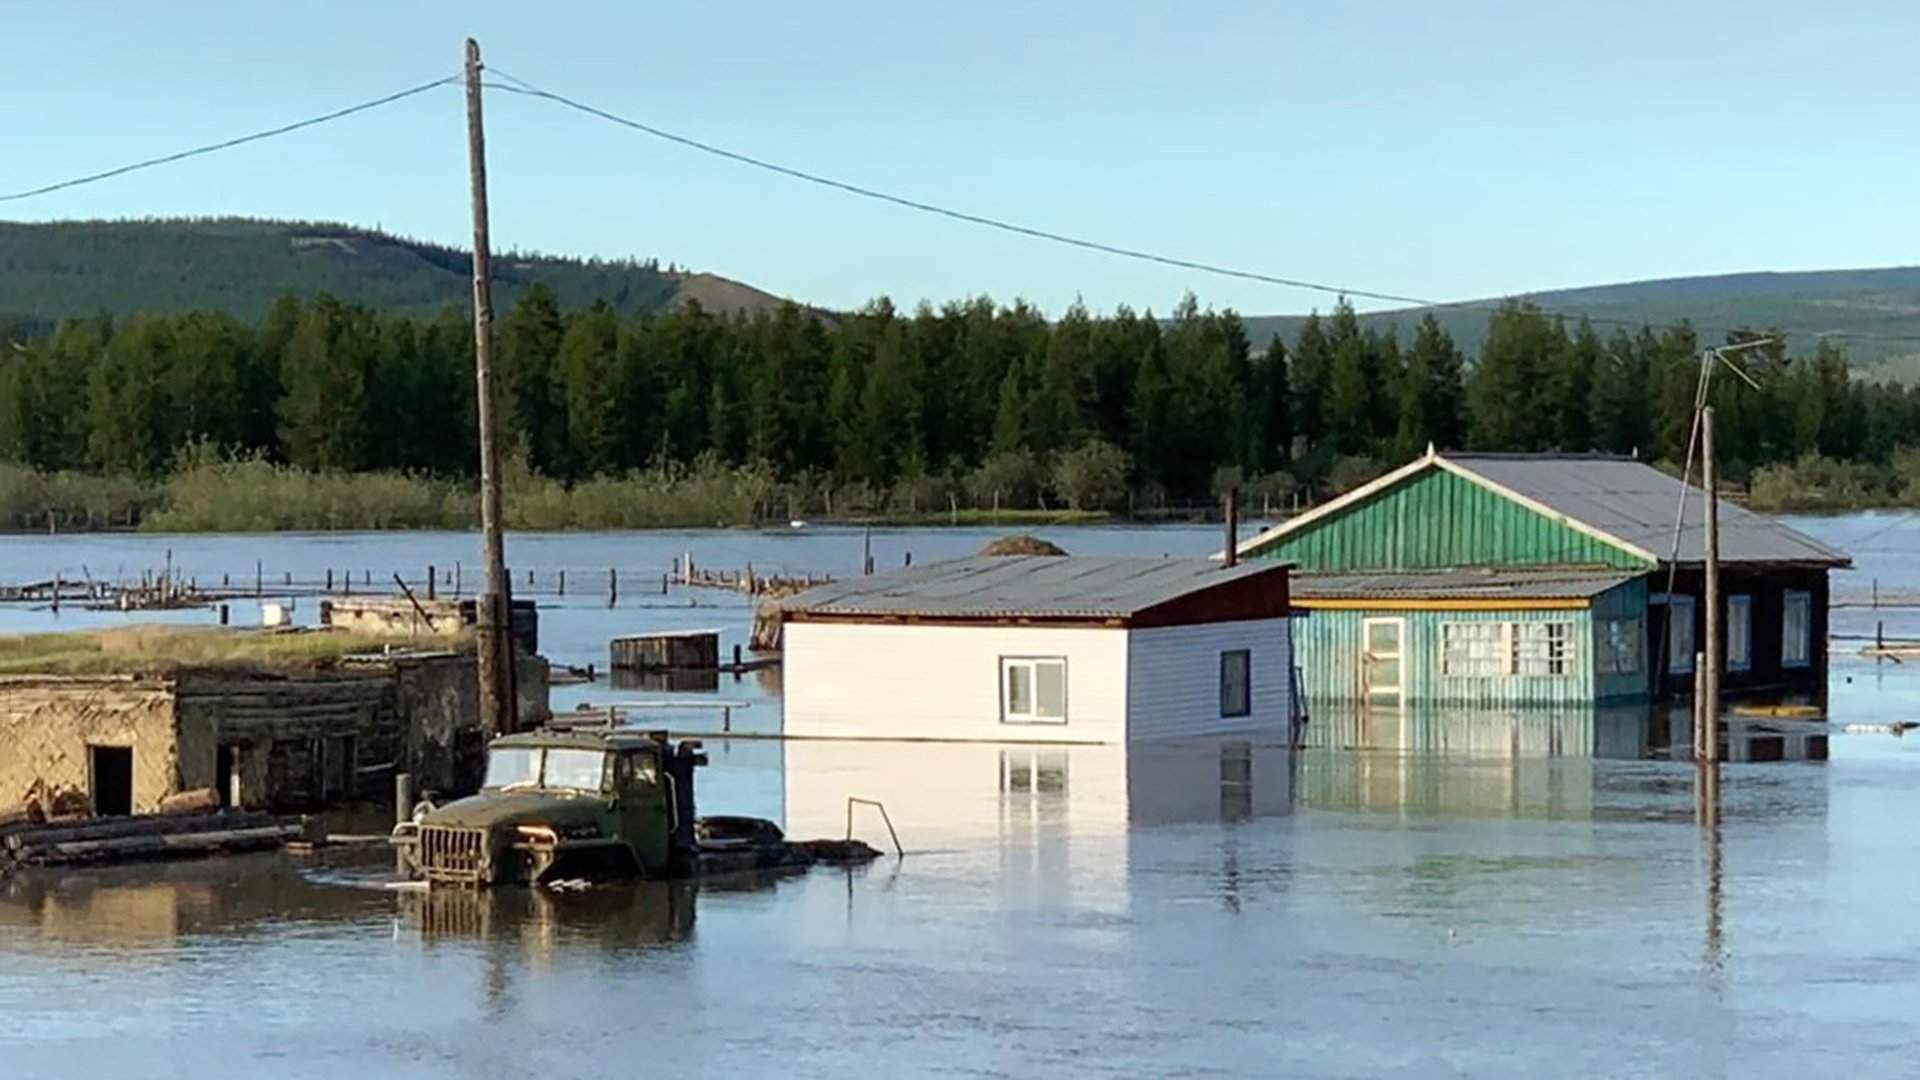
<point>431,583</point>
<point>613,586</point>
<point>402,813</point>
<point>402,797</point>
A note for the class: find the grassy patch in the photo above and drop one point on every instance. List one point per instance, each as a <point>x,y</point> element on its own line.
<point>159,650</point>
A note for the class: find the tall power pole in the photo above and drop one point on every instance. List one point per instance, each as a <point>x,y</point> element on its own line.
<point>1709,704</point>
<point>493,610</point>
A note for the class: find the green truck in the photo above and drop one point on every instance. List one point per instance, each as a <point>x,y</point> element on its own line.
<point>582,805</point>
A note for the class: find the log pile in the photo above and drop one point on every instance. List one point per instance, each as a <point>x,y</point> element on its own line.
<point>173,836</point>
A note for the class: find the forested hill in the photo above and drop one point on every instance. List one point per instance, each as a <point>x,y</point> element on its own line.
<point>1879,303</point>
<point>73,269</point>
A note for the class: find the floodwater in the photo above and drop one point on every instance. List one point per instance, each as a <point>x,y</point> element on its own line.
<point>1189,909</point>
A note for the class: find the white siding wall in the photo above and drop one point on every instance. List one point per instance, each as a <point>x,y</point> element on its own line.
<point>880,681</point>
<point>1173,679</point>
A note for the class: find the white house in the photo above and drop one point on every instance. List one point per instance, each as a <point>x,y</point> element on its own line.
<point>1039,648</point>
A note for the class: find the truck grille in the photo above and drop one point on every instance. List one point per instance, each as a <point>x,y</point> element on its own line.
<point>448,854</point>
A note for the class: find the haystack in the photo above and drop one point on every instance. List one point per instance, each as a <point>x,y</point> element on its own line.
<point>1020,545</point>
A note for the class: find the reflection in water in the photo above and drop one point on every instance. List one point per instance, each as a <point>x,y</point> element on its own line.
<point>674,681</point>
<point>938,792</point>
<point>640,915</point>
<point>1707,812</point>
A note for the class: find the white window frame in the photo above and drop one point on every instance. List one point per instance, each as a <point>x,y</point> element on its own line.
<point>1740,632</point>
<point>1547,649</point>
<point>1796,654</point>
<point>1032,666</point>
<point>1495,642</point>
<point>1679,659</point>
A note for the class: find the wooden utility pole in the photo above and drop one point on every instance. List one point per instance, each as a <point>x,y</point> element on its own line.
<point>1709,704</point>
<point>493,610</point>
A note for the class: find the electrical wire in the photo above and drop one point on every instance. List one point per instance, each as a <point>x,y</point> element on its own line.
<point>514,85</point>
<point>228,144</point>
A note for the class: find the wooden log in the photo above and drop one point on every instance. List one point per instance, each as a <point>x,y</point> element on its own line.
<point>139,847</point>
<point>135,826</point>
<point>197,801</point>
<point>29,813</point>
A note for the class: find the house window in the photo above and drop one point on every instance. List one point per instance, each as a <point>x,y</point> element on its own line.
<point>1543,648</point>
<point>1033,690</point>
<point>1796,630</point>
<point>1236,682</point>
<point>1739,633</point>
<point>1680,635</point>
<point>1617,651</point>
<point>1474,649</point>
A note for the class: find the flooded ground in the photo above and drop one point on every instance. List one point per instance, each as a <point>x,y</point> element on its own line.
<point>1193,909</point>
<point>1061,912</point>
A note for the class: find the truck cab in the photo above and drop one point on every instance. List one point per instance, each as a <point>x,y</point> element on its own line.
<point>560,805</point>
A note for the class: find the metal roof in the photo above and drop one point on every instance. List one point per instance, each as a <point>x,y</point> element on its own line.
<point>1056,586</point>
<point>1515,584</point>
<point>1633,502</point>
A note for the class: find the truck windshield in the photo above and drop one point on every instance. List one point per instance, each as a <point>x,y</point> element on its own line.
<point>583,770</point>
<point>507,767</point>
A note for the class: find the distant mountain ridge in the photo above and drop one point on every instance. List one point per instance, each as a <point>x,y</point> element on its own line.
<point>57,270</point>
<point>1881,303</point>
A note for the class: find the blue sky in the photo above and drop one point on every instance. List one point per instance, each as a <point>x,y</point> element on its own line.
<point>1438,150</point>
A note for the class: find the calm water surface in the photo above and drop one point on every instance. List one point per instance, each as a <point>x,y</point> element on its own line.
<point>1059,911</point>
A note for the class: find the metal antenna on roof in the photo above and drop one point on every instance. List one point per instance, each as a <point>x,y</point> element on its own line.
<point>1701,391</point>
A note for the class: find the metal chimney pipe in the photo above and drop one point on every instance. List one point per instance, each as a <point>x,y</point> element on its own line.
<point>1232,555</point>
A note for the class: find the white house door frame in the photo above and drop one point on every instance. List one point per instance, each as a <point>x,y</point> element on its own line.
<point>1383,668</point>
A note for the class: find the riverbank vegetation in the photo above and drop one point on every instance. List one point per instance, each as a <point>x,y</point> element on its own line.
<point>328,415</point>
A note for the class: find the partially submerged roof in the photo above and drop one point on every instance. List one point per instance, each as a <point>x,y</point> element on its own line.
<point>1046,587</point>
<point>1619,501</point>
<point>1517,588</point>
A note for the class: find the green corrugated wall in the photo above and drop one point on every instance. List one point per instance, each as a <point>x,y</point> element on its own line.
<point>1436,520</point>
<point>1327,648</point>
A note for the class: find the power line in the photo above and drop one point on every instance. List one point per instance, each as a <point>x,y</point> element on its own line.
<point>229,144</point>
<point>519,86</point>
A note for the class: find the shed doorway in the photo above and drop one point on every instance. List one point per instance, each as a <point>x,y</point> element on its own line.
<point>1383,675</point>
<point>110,777</point>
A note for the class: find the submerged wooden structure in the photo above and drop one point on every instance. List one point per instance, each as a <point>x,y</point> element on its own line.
<point>666,650</point>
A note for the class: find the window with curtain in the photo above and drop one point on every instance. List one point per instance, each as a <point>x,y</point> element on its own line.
<point>1473,649</point>
<point>1680,635</point>
<point>1739,633</point>
<point>1543,648</point>
<point>1618,646</point>
<point>1796,629</point>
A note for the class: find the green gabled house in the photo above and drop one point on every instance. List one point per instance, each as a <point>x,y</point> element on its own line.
<point>1510,581</point>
